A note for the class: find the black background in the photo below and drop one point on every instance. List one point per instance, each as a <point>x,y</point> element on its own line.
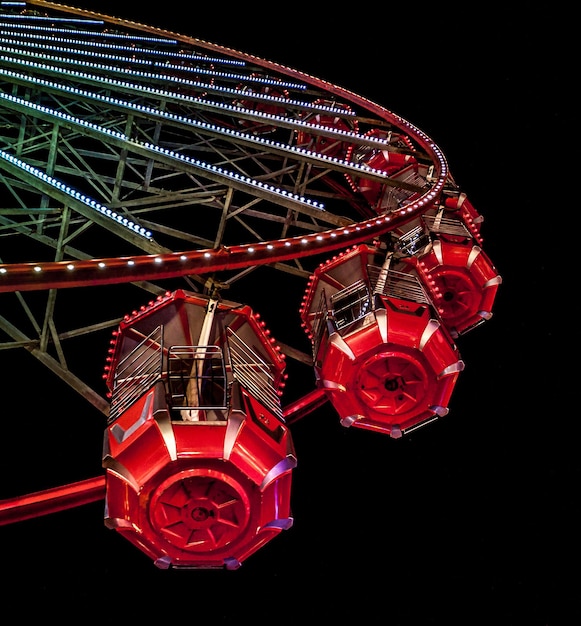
<point>471,520</point>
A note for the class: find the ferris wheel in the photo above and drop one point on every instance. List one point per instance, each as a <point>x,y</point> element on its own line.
<point>210,200</point>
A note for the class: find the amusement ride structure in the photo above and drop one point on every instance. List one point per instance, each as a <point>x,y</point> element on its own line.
<point>193,174</point>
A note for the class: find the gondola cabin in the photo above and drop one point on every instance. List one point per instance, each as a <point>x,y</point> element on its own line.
<point>197,455</point>
<point>380,351</point>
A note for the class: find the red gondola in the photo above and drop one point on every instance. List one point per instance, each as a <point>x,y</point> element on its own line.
<point>198,459</point>
<point>380,352</point>
<point>463,282</point>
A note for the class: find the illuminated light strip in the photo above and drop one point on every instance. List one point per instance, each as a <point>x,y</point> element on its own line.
<point>42,18</point>
<point>315,108</point>
<point>26,44</point>
<point>93,33</point>
<point>234,176</point>
<point>107,271</point>
<point>109,46</point>
<point>247,78</point>
<point>240,77</point>
<point>57,184</point>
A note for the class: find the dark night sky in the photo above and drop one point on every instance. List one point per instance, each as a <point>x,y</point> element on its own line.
<point>473,520</point>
